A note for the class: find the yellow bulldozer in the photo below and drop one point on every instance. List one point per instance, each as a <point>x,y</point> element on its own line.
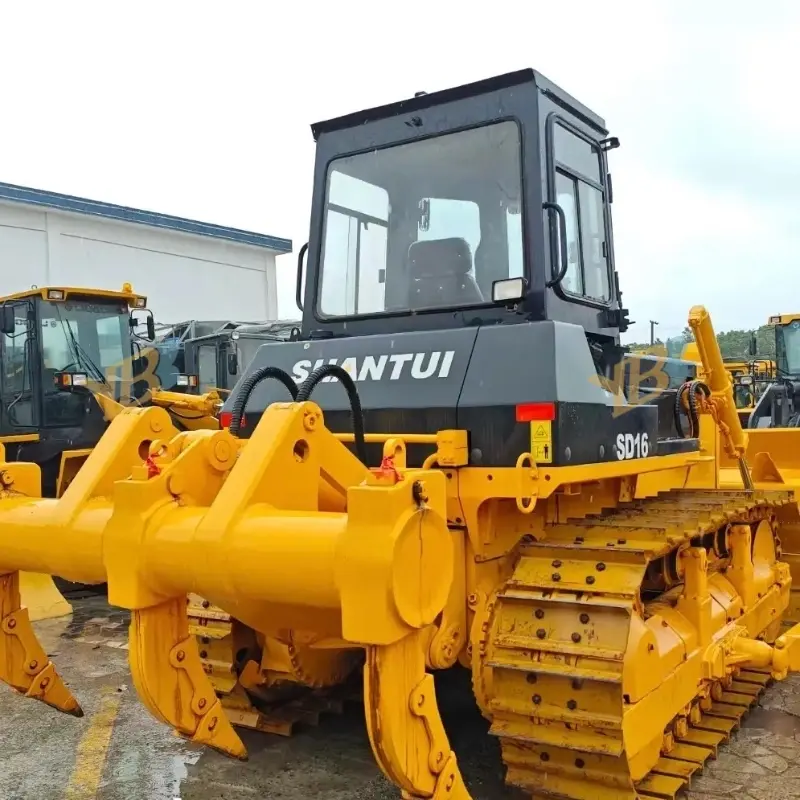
<point>447,471</point>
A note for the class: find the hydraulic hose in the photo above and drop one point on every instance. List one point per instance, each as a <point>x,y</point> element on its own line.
<point>247,387</point>
<point>690,388</point>
<point>356,412</point>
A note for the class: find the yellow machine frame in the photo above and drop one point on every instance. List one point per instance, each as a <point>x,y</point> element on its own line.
<point>528,576</point>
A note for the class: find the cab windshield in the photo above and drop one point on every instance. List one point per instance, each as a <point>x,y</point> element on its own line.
<point>788,348</point>
<point>427,224</point>
<point>86,336</point>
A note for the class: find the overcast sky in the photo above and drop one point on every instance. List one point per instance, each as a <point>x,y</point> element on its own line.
<point>206,115</point>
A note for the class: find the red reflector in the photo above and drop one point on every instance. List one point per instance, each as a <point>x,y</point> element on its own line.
<point>225,419</point>
<point>538,412</point>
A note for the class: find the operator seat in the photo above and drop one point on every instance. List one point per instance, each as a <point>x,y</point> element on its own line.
<point>440,274</point>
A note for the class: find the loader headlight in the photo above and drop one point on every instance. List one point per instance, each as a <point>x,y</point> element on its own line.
<point>774,321</point>
<point>746,380</point>
<point>183,380</point>
<point>508,290</point>
<point>55,294</point>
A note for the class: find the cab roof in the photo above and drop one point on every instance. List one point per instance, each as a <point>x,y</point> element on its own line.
<point>423,100</point>
<point>783,319</point>
<point>63,293</point>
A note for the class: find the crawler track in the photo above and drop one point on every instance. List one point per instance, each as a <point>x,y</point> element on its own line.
<point>278,712</point>
<point>559,652</point>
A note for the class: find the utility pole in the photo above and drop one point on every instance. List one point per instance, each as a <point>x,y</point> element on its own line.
<point>653,324</point>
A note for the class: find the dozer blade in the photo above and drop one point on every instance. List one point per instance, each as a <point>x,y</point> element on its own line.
<point>170,680</point>
<point>41,597</point>
<point>24,664</point>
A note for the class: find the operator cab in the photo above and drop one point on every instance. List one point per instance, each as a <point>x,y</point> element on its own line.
<point>168,352</point>
<point>215,361</point>
<point>787,345</point>
<point>488,203</point>
<point>779,403</point>
<point>460,267</point>
<point>57,345</point>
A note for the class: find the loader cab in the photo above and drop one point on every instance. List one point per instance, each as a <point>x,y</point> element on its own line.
<point>169,352</point>
<point>218,360</point>
<point>484,204</point>
<point>778,402</point>
<point>787,345</point>
<point>59,346</point>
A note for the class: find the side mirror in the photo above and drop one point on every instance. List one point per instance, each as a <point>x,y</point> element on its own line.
<point>233,363</point>
<point>7,320</point>
<point>136,320</point>
<point>753,344</point>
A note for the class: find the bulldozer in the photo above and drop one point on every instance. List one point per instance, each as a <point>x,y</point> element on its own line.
<point>448,469</point>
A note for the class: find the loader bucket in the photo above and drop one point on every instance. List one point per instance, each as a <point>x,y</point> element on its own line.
<point>41,597</point>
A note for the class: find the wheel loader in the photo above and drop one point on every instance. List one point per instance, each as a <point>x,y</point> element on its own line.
<point>779,405</point>
<point>474,484</point>
<point>57,343</point>
<point>72,358</point>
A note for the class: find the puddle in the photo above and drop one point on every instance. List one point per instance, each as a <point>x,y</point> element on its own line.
<point>168,785</point>
<point>773,720</point>
<point>93,621</point>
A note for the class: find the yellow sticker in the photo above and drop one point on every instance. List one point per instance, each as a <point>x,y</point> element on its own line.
<point>542,431</point>
<point>542,453</point>
<point>542,441</point>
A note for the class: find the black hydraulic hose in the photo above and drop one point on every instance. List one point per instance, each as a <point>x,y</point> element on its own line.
<point>678,410</point>
<point>693,388</point>
<point>356,412</point>
<point>247,387</point>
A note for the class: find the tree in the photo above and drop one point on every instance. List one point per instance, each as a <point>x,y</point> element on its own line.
<point>733,344</point>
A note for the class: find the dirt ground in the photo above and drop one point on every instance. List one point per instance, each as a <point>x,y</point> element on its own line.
<point>119,752</point>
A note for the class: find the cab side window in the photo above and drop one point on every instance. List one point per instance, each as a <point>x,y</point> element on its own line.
<point>581,194</point>
<point>17,373</point>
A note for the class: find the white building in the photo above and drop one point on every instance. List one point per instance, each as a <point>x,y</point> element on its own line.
<point>187,269</point>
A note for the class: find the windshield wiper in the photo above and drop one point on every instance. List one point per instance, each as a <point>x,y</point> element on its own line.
<point>81,357</point>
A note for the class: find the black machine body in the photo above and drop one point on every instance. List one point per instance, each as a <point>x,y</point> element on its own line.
<point>460,267</point>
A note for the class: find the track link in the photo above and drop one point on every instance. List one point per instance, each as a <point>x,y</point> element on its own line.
<point>553,675</point>
<point>280,712</point>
